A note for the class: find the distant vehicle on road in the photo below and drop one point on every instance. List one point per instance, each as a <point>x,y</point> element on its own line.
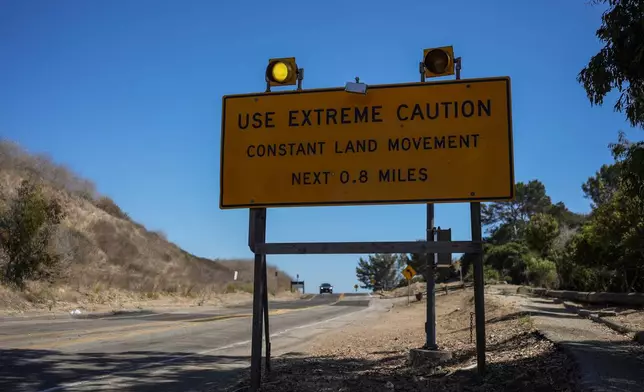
<point>326,288</point>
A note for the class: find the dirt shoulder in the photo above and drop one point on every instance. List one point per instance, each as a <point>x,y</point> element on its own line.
<point>16,304</point>
<point>370,354</point>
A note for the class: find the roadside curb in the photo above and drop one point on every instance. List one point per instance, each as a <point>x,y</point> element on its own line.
<point>598,317</point>
<point>596,298</point>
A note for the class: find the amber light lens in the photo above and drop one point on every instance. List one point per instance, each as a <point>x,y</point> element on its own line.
<point>437,61</point>
<point>279,72</point>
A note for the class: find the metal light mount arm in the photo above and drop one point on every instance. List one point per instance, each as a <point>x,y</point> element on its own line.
<point>457,68</point>
<point>356,87</point>
<point>300,78</point>
<point>421,69</point>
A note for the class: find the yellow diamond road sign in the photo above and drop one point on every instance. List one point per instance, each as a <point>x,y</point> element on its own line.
<point>400,143</point>
<point>409,272</point>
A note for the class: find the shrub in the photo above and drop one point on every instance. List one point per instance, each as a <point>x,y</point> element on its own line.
<point>106,204</point>
<point>490,275</point>
<point>25,234</point>
<point>85,195</point>
<point>161,234</point>
<point>541,272</point>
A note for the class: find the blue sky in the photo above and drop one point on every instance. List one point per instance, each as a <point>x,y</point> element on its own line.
<point>128,94</point>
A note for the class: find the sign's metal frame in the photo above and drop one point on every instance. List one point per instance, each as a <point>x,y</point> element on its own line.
<point>430,247</point>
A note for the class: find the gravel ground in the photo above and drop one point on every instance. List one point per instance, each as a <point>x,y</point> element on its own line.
<point>371,354</point>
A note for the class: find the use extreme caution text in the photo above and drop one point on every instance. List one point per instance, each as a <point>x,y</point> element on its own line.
<point>403,143</point>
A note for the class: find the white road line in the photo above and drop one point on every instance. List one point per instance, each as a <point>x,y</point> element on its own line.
<point>170,360</point>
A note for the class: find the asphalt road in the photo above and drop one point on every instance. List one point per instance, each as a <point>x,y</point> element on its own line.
<point>189,351</point>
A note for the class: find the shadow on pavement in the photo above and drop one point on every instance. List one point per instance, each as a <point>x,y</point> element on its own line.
<point>611,365</point>
<point>510,368</point>
<point>138,371</point>
<point>546,372</point>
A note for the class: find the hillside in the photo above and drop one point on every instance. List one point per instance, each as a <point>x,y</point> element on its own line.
<point>108,257</point>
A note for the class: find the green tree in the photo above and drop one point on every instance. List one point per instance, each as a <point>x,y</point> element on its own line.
<point>608,252</point>
<point>601,188</point>
<point>564,216</point>
<point>509,259</point>
<point>541,232</point>
<point>466,262</point>
<point>629,157</point>
<point>618,64</point>
<point>25,233</point>
<point>382,268</point>
<point>530,198</point>
<point>418,261</point>
<point>502,234</point>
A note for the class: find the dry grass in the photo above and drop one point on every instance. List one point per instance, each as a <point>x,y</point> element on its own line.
<point>110,259</point>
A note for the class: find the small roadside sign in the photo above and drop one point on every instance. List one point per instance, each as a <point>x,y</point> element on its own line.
<point>409,272</point>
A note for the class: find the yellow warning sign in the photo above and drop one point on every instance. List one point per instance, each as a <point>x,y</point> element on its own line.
<point>400,143</point>
<point>409,272</point>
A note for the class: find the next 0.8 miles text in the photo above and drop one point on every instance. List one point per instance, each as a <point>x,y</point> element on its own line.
<point>359,176</point>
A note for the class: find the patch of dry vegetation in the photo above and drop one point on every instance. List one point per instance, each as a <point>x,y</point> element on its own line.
<point>107,257</point>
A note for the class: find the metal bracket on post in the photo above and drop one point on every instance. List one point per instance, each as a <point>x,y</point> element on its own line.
<point>457,67</point>
<point>300,78</point>
<point>421,69</point>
